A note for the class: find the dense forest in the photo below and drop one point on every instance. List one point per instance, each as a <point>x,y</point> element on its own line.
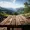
<point>27,8</point>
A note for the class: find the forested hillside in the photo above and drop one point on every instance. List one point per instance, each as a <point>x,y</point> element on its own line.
<point>27,8</point>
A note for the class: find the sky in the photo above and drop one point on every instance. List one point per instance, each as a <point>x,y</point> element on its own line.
<point>12,3</point>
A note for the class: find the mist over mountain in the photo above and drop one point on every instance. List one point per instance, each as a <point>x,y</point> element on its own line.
<point>11,10</point>
<point>20,10</point>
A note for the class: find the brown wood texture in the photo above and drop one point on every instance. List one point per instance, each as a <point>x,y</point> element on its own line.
<point>15,20</point>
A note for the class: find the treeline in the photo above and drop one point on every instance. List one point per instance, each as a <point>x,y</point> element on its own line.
<point>27,6</point>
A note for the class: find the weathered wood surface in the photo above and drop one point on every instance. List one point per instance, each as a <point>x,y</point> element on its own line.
<point>15,20</point>
<point>3,28</point>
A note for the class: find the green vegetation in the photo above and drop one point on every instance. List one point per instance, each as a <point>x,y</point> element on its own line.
<point>15,13</point>
<point>3,14</point>
<point>27,8</point>
<point>26,14</point>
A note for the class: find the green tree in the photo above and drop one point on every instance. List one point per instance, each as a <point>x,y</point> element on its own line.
<point>27,6</point>
<point>15,13</point>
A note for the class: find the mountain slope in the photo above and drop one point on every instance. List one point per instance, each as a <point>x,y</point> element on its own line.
<point>8,11</point>
<point>20,10</point>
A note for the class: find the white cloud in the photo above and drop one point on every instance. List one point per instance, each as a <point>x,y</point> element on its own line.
<point>14,1</point>
<point>9,5</point>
